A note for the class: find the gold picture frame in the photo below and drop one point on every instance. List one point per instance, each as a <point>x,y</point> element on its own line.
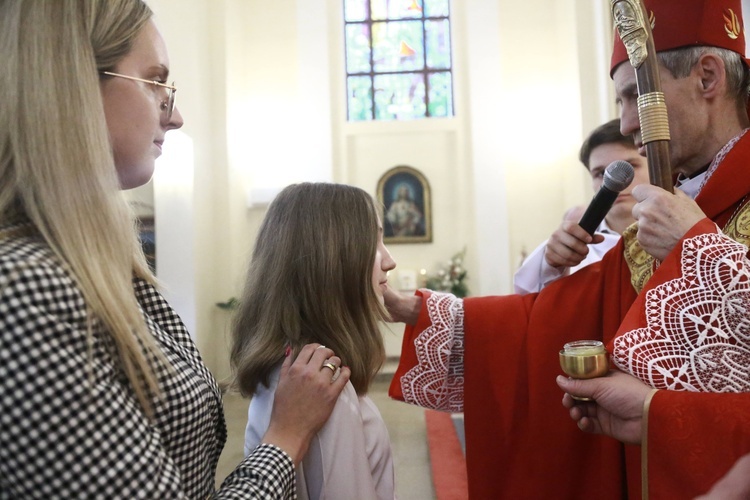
<point>404,194</point>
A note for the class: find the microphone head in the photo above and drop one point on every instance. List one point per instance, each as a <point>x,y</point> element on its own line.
<point>618,175</point>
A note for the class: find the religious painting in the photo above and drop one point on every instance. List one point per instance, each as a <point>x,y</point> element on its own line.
<point>405,196</point>
<point>147,236</point>
<point>141,201</point>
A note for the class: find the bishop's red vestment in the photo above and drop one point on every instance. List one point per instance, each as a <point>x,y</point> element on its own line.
<point>686,330</point>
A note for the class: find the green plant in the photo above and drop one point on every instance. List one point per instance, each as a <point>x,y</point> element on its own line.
<point>450,278</point>
<point>232,303</point>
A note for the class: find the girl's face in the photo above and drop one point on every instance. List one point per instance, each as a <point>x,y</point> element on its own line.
<point>383,263</point>
<point>135,118</point>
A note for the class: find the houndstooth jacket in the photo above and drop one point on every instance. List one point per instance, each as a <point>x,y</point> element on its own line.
<point>70,426</point>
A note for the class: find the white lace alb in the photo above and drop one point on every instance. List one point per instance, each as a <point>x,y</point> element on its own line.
<point>437,381</point>
<point>698,328</point>
<point>697,336</point>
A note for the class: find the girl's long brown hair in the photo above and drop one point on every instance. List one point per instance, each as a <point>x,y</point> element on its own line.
<point>310,280</point>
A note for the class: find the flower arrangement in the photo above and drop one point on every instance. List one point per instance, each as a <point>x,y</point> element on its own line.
<point>451,278</point>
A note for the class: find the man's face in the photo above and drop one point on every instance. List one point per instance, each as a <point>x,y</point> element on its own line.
<point>685,110</point>
<point>601,157</point>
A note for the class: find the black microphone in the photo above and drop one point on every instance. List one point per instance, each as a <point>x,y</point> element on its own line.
<point>617,176</point>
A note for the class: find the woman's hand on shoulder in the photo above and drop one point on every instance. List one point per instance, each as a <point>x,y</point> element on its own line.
<point>304,399</point>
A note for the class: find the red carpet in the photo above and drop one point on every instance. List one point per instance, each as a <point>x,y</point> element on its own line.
<point>446,457</point>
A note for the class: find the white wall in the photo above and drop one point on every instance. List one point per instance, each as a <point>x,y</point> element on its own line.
<point>196,41</point>
<point>262,88</point>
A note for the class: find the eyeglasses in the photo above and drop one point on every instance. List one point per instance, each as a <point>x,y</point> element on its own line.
<point>167,105</point>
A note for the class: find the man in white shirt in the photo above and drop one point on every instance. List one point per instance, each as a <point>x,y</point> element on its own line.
<point>563,253</point>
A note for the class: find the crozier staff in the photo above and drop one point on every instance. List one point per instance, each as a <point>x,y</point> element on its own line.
<point>670,302</point>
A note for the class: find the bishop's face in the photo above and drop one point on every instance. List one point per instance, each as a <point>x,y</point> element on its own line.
<point>686,109</point>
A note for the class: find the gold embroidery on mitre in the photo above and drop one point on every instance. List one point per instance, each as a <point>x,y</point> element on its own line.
<point>732,25</point>
<point>640,263</point>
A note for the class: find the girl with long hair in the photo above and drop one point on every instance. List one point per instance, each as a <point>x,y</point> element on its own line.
<point>318,274</point>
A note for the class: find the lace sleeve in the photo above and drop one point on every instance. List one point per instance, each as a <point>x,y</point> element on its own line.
<point>697,336</point>
<point>437,381</point>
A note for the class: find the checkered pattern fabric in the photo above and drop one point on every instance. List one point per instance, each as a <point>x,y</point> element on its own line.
<point>70,426</point>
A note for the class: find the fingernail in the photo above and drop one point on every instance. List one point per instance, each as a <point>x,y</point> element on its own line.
<point>288,351</point>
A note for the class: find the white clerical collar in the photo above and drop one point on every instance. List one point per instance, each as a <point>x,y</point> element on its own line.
<point>691,186</point>
<point>604,228</point>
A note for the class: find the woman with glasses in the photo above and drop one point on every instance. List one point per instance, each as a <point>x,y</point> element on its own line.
<point>102,391</point>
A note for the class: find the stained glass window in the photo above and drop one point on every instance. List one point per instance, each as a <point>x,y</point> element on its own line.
<point>398,59</point>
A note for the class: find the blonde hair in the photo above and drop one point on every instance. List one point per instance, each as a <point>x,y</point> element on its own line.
<point>310,280</point>
<point>56,163</point>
